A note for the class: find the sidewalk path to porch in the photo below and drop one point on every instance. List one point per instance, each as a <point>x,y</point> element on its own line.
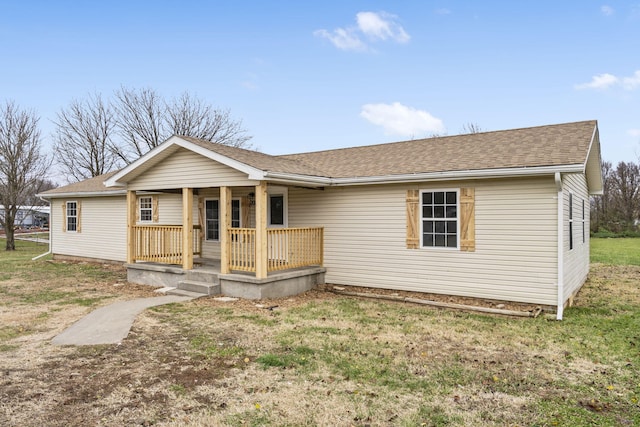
<point>110,324</point>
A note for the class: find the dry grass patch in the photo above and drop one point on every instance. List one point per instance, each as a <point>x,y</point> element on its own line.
<point>316,359</point>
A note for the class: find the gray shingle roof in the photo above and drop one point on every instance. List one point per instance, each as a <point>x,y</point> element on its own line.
<point>91,185</point>
<point>552,145</point>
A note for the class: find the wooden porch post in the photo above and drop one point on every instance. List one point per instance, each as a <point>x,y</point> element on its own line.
<point>225,225</point>
<point>131,222</point>
<point>261,230</point>
<point>187,228</point>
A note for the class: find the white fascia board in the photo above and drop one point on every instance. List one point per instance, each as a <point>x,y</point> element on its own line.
<point>83,194</point>
<point>430,176</point>
<point>253,173</point>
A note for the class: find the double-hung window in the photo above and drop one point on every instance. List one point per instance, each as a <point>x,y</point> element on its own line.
<point>439,219</point>
<point>72,216</point>
<point>146,208</point>
<point>212,217</point>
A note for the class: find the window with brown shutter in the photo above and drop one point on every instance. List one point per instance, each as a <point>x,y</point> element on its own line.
<point>441,219</point>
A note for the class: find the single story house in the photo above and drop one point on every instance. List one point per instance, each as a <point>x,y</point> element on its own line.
<point>495,215</point>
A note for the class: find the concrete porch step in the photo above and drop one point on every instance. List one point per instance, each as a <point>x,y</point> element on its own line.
<point>199,287</point>
<point>182,292</point>
<point>203,276</point>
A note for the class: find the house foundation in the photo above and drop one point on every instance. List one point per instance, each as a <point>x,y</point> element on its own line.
<point>275,285</point>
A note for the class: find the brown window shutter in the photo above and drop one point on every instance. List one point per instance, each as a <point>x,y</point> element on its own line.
<point>154,204</point>
<point>413,227</point>
<point>64,216</point>
<point>467,220</point>
<point>79,217</point>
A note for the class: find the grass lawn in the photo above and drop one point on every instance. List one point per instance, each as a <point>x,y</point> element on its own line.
<point>621,251</point>
<point>315,360</point>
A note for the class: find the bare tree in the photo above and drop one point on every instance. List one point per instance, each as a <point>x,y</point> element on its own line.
<point>22,165</point>
<point>626,193</point>
<point>190,116</point>
<point>602,210</point>
<point>84,138</point>
<point>140,121</point>
<point>471,127</point>
<point>145,120</point>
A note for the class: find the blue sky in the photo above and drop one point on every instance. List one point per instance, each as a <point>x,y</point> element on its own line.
<point>306,76</point>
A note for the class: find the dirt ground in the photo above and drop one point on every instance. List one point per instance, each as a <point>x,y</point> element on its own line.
<point>154,377</point>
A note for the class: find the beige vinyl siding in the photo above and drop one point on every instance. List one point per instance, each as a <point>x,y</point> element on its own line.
<point>188,169</point>
<point>365,230</point>
<point>576,260</point>
<point>104,229</point>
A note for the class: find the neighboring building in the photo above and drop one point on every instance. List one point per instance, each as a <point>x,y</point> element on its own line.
<point>30,216</point>
<point>498,215</point>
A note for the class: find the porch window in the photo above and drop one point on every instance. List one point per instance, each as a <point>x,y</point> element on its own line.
<point>276,209</point>
<point>146,209</point>
<point>72,216</point>
<point>439,219</point>
<point>212,217</point>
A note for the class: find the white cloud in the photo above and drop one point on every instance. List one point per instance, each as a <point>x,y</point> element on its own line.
<point>374,26</point>
<point>344,39</point>
<point>633,82</point>
<point>607,10</point>
<point>606,80</point>
<point>634,132</point>
<point>401,120</point>
<point>601,81</point>
<point>381,26</point>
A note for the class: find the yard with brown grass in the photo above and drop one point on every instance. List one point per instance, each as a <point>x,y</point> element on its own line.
<point>318,359</point>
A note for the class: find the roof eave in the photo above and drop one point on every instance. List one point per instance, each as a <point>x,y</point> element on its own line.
<point>427,176</point>
<point>83,194</point>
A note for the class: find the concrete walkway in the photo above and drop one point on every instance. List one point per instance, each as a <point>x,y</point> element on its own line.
<point>110,324</point>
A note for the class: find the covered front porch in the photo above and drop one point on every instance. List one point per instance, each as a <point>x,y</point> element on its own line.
<point>257,261</point>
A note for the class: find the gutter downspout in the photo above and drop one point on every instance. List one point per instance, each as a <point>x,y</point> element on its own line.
<point>50,234</point>
<point>560,307</point>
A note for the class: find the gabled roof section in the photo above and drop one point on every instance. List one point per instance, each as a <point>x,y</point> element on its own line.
<point>87,187</point>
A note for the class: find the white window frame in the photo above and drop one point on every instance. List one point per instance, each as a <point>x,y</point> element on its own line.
<point>423,219</point>
<point>206,220</point>
<point>278,191</point>
<point>69,216</point>
<point>149,209</point>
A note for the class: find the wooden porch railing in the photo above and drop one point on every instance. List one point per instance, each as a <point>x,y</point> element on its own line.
<point>286,248</point>
<point>162,243</point>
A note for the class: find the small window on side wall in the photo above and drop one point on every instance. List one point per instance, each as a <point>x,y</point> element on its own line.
<point>72,216</point>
